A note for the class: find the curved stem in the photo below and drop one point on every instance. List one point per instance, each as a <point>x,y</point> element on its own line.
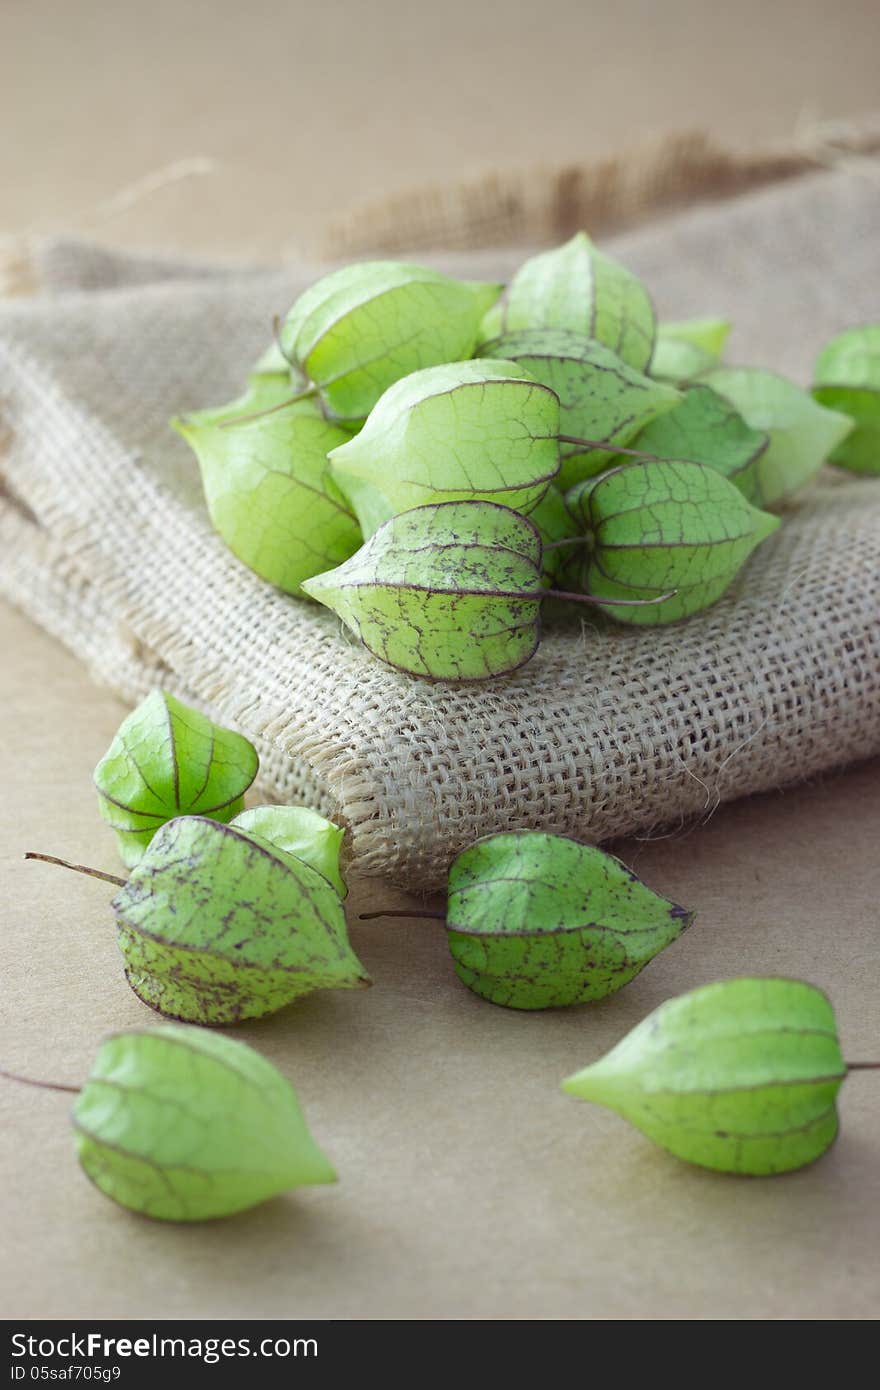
<point>270,410</point>
<point>607,602</point>
<point>403,912</point>
<point>567,540</point>
<point>642,454</point>
<point>608,448</point>
<point>277,325</point>
<point>42,1085</point>
<point>77,868</point>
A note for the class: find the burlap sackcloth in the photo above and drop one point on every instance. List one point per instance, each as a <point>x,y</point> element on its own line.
<point>104,540</point>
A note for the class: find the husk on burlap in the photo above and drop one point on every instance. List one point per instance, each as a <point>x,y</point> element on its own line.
<point>104,540</point>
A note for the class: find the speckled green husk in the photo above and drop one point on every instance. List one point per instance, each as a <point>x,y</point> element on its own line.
<point>600,397</point>
<point>538,921</point>
<point>665,527</point>
<point>216,926</point>
<point>451,591</point>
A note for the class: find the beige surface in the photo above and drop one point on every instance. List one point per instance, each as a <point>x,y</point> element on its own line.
<point>470,1186</point>
<point>307,110</point>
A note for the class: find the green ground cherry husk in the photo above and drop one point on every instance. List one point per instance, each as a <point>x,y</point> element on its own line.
<point>217,925</point>
<point>688,348</point>
<point>802,433</point>
<point>181,1124</point>
<point>167,760</point>
<point>265,482</point>
<point>706,428</point>
<point>600,397</point>
<point>451,591</point>
<point>537,921</point>
<point>741,1076</point>
<point>577,287</point>
<point>302,832</point>
<point>658,527</point>
<point>361,328</point>
<point>482,430</point>
<point>847,379</point>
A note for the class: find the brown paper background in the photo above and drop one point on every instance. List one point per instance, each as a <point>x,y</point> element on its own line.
<point>302,114</point>
<point>471,1186</point>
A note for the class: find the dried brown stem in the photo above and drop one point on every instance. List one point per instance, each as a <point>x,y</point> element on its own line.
<point>77,868</point>
<point>42,1085</point>
<point>403,912</point>
<point>607,602</point>
<point>304,395</point>
<point>608,448</point>
<point>567,540</point>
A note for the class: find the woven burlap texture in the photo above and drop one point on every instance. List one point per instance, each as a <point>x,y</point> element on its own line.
<point>105,541</point>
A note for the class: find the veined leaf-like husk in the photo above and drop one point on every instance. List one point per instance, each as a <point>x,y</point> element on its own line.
<point>705,428</point>
<point>302,832</point>
<point>450,591</point>
<point>740,1076</point>
<point>167,760</point>
<point>802,433</point>
<point>600,397</point>
<point>184,1125</point>
<point>482,430</point>
<point>361,328</point>
<point>537,921</point>
<point>265,482</point>
<point>658,527</point>
<point>686,349</point>
<point>216,926</point>
<point>578,288</point>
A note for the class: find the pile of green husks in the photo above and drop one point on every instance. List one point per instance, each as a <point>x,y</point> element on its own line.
<point>433,498</point>
<point>431,458</point>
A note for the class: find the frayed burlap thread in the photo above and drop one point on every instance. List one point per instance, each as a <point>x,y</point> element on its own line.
<point>104,539</point>
<point>549,203</point>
